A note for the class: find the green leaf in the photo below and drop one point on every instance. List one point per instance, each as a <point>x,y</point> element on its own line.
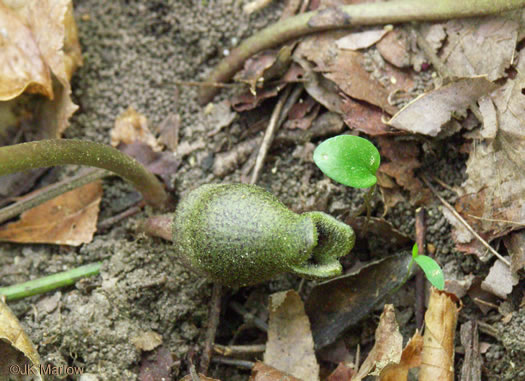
<point>349,160</point>
<point>415,251</point>
<point>432,271</point>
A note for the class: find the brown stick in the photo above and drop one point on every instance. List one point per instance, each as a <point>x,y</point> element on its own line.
<point>349,16</point>
<point>420,277</point>
<point>213,323</point>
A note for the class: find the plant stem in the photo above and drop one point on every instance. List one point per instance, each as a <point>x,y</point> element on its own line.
<point>50,282</point>
<point>47,153</point>
<point>49,192</point>
<point>347,17</point>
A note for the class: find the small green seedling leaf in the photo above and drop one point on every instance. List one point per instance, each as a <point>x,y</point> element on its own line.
<point>432,271</point>
<point>415,251</point>
<point>349,160</point>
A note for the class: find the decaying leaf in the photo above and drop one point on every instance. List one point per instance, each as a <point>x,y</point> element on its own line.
<point>263,372</point>
<point>157,365</point>
<point>387,348</point>
<point>469,41</point>
<point>164,164</point>
<point>21,65</point>
<point>334,306</point>
<point>264,67</point>
<point>395,48</point>
<point>131,126</point>
<point>500,280</point>
<point>54,32</point>
<point>495,188</point>
<point>16,349</point>
<point>360,40</point>
<point>410,358</point>
<point>363,117</point>
<point>403,160</point>
<point>515,243</point>
<point>379,229</point>
<point>290,346</point>
<point>437,359</point>
<point>430,111</point>
<point>471,369</point>
<point>69,219</point>
<point>219,116</point>
<point>341,373</point>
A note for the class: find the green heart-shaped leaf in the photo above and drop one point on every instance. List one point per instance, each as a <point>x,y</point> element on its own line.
<point>349,160</point>
<point>432,271</point>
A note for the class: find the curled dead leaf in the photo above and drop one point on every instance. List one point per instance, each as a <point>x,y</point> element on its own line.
<point>16,349</point>
<point>430,111</point>
<point>437,359</point>
<point>387,348</point>
<point>290,346</point>
<point>69,219</point>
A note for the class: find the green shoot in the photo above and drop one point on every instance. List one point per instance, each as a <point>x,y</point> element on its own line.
<point>430,267</point>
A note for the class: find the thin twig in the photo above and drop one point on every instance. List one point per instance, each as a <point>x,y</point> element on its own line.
<point>235,362</point>
<point>50,192</point>
<point>109,222</point>
<point>464,223</point>
<point>213,323</point>
<point>420,277</point>
<point>235,350</point>
<point>273,126</point>
<point>208,84</point>
<point>485,303</point>
<point>349,16</point>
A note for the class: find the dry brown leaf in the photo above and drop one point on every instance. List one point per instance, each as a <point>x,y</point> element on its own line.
<point>500,280</point>
<point>131,126</point>
<point>69,219</point>
<point>410,358</point>
<point>335,64</point>
<point>395,48</point>
<point>54,31</point>
<point>387,348</point>
<point>263,372</point>
<point>360,40</point>
<point>290,345</point>
<point>157,365</point>
<point>471,369</point>
<point>515,244</point>
<point>16,349</point>
<point>490,118</point>
<point>403,160</point>
<point>21,64</point>
<point>430,111</point>
<point>469,41</point>
<point>341,373</point>
<point>437,359</point>
<point>363,117</point>
<point>248,101</point>
<point>264,67</point>
<point>495,188</point>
